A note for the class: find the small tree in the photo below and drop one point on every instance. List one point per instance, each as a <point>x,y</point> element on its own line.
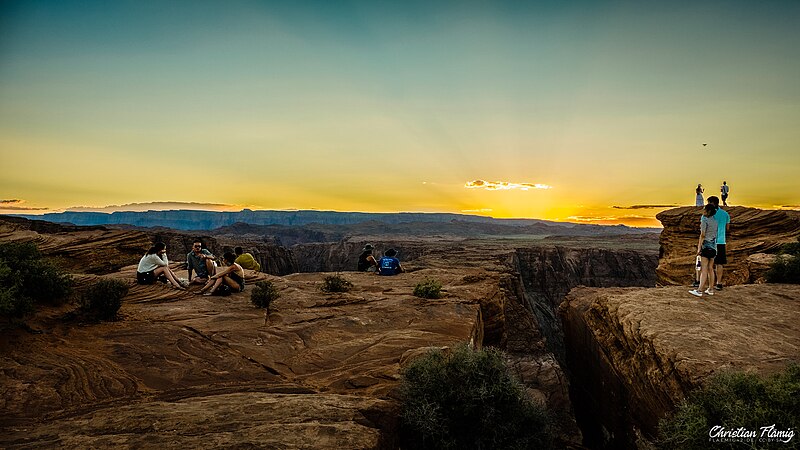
<point>429,288</point>
<point>336,283</point>
<point>104,298</point>
<point>469,399</point>
<point>263,294</point>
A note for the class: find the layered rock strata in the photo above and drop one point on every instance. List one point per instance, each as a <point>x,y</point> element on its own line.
<point>635,353</point>
<point>751,231</point>
<point>333,358</point>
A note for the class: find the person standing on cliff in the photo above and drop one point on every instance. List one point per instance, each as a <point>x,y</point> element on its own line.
<point>707,249</point>
<point>724,189</point>
<point>201,261</point>
<point>723,221</point>
<point>698,196</point>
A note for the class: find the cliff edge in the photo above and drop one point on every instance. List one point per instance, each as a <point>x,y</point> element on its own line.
<point>752,231</point>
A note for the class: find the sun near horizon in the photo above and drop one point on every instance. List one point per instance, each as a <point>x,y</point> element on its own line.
<point>588,112</point>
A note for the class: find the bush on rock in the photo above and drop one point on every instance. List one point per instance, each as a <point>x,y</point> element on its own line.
<point>469,399</point>
<point>26,279</point>
<point>104,298</point>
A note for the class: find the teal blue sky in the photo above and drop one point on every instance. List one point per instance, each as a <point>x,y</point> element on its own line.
<point>397,106</point>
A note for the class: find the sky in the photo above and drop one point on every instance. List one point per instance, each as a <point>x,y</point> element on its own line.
<point>578,111</point>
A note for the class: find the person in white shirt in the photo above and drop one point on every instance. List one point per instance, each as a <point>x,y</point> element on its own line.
<point>155,264</point>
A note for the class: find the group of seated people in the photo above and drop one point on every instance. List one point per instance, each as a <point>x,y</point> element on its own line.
<point>154,266</point>
<point>387,265</point>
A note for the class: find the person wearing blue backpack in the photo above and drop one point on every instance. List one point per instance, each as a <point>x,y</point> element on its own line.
<point>389,264</point>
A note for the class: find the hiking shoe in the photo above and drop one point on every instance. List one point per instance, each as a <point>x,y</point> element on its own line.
<point>718,287</point>
<point>696,293</point>
<point>696,284</point>
<point>709,291</point>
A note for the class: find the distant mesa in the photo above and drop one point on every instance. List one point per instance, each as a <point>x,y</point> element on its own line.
<point>210,220</point>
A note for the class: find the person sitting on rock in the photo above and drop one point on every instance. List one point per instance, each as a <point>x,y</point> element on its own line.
<point>232,276</point>
<point>389,264</point>
<point>246,260</point>
<point>366,262</point>
<point>201,261</point>
<point>154,265</point>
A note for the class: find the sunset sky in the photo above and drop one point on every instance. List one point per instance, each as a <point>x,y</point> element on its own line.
<point>575,111</point>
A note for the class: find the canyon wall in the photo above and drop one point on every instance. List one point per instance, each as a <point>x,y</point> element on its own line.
<point>548,274</point>
<point>752,231</point>
<point>633,354</point>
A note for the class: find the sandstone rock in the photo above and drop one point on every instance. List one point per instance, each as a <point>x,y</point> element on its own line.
<point>232,420</point>
<point>172,343</point>
<point>635,353</point>
<point>172,346</point>
<point>93,249</point>
<point>751,231</point>
<point>758,265</point>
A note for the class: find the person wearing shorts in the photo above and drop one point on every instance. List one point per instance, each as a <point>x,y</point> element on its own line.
<point>707,249</point>
<point>154,265</point>
<point>723,222</point>
<point>232,276</point>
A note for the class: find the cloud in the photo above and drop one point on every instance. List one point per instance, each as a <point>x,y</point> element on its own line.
<point>158,206</point>
<point>608,220</point>
<point>16,205</point>
<point>482,210</point>
<point>789,207</point>
<point>645,206</point>
<point>592,218</point>
<point>504,185</point>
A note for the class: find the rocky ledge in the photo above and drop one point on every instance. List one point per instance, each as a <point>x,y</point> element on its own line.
<point>320,372</point>
<point>752,231</point>
<point>635,353</point>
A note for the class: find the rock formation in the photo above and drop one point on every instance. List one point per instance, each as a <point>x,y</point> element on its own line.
<point>95,249</point>
<point>332,359</point>
<point>752,231</point>
<point>635,353</point>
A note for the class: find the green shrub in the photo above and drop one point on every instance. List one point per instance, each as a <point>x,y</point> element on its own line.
<point>786,268</point>
<point>263,294</point>
<point>336,283</point>
<point>734,400</point>
<point>27,279</point>
<point>104,298</point>
<point>429,288</point>
<point>12,303</point>
<point>469,399</point>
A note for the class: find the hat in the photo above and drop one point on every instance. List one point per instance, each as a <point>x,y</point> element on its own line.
<point>367,247</point>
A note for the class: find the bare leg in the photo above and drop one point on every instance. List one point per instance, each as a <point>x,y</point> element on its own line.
<point>720,269</point>
<point>712,275</point>
<point>707,276</point>
<point>216,283</point>
<point>212,269</point>
<point>198,280</point>
<point>703,273</point>
<point>234,285</point>
<point>170,276</point>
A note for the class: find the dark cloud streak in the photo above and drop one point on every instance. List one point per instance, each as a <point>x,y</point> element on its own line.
<point>645,206</point>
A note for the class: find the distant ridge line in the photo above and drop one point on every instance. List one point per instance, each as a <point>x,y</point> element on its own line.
<point>210,220</point>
